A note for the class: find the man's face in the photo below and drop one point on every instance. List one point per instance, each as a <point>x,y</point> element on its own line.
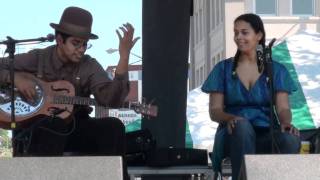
<point>72,49</point>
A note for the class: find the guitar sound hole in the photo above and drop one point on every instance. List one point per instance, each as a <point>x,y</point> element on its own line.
<point>59,89</point>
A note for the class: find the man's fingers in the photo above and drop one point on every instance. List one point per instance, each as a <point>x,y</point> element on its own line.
<point>30,94</point>
<point>119,35</point>
<point>135,40</point>
<point>129,27</point>
<point>123,30</point>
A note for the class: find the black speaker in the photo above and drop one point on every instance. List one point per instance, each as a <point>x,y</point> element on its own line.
<point>284,167</point>
<point>138,144</point>
<point>177,157</point>
<point>140,141</point>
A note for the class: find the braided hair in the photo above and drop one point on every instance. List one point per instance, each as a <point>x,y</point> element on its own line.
<point>257,25</point>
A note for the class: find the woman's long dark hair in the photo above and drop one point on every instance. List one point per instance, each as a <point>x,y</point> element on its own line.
<point>257,25</point>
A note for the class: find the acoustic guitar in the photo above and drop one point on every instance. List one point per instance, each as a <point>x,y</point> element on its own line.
<point>53,99</point>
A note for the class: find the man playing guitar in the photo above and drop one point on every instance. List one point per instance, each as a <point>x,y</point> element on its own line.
<point>51,135</point>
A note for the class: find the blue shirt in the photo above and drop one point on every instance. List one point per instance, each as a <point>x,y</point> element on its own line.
<point>252,104</point>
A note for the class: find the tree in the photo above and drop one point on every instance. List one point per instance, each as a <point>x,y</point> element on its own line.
<point>5,139</point>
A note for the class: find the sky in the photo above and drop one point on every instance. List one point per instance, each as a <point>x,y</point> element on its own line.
<point>30,19</point>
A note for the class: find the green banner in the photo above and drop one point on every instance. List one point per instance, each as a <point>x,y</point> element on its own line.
<point>301,116</point>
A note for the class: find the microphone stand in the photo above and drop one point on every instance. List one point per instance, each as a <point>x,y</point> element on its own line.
<point>269,70</point>
<point>11,50</point>
<point>11,43</point>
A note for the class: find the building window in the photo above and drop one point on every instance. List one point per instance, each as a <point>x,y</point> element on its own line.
<point>212,17</point>
<point>219,12</point>
<point>304,7</point>
<point>201,74</point>
<point>216,14</point>
<point>197,77</point>
<point>196,27</point>
<point>264,7</point>
<point>201,24</point>
<point>213,62</point>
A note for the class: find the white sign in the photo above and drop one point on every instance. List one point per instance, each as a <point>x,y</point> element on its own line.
<point>126,116</point>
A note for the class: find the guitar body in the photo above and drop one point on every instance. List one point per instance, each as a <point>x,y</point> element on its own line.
<point>52,99</point>
<point>44,104</point>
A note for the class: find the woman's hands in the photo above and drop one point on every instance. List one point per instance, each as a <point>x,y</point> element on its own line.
<point>285,127</point>
<point>232,123</point>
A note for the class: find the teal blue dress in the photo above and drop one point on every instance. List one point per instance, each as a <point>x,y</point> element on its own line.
<point>252,104</point>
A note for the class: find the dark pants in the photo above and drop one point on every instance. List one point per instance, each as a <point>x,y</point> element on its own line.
<point>83,136</point>
<point>247,139</point>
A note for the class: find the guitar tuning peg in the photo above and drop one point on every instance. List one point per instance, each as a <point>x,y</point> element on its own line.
<point>151,102</point>
<point>143,100</point>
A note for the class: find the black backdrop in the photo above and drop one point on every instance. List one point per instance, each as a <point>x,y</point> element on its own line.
<point>166,26</point>
<point>165,45</point>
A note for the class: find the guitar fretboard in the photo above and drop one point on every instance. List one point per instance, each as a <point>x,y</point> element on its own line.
<point>74,100</point>
<point>103,111</point>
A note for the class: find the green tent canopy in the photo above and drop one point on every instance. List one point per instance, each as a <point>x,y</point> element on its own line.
<point>300,54</point>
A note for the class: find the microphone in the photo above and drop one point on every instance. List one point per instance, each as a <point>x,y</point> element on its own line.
<point>260,57</point>
<point>271,42</point>
<point>260,52</point>
<point>268,51</point>
<point>48,38</point>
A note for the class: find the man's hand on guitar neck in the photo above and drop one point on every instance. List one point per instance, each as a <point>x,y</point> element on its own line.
<point>25,83</point>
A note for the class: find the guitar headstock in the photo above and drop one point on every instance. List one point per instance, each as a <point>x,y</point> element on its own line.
<point>144,109</point>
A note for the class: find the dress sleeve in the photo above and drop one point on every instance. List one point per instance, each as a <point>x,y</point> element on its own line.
<point>282,79</point>
<point>215,80</point>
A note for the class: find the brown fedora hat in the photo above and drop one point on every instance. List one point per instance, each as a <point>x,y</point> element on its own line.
<point>76,22</point>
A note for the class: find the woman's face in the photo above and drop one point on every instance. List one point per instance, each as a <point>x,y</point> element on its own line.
<point>245,37</point>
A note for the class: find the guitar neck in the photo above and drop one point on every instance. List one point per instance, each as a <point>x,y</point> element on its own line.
<point>138,108</point>
<point>74,100</point>
<point>101,112</point>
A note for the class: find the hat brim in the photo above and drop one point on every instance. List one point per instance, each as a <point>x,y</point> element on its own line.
<point>77,34</point>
